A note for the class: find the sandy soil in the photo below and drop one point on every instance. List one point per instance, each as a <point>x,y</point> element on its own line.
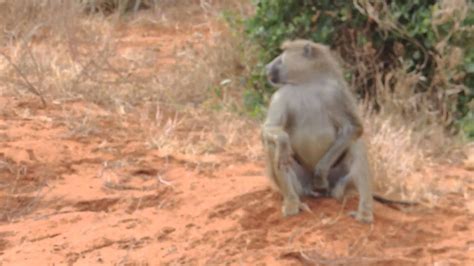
<point>99,195</point>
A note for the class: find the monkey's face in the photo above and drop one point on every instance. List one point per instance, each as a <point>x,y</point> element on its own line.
<point>276,71</point>
<point>294,66</point>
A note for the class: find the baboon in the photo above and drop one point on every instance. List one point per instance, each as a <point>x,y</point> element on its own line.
<point>312,132</point>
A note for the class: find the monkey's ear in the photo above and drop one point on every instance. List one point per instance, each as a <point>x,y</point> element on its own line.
<point>309,51</point>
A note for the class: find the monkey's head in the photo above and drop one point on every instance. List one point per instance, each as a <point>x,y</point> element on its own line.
<point>301,62</point>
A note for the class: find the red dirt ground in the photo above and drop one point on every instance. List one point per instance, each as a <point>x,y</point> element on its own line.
<point>104,197</point>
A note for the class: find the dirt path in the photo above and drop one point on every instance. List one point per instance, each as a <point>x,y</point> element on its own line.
<point>97,194</point>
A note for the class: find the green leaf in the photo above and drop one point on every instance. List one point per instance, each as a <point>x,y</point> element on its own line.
<point>416,55</point>
<point>469,68</point>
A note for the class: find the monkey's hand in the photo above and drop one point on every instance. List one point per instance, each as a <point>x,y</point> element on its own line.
<point>320,179</point>
<point>291,208</point>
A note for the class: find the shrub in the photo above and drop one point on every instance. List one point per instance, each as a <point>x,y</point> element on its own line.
<point>415,57</point>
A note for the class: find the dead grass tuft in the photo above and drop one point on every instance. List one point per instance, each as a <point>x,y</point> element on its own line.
<point>400,153</point>
<point>394,157</point>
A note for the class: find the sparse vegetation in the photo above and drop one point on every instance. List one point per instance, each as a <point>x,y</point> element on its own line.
<point>149,135</point>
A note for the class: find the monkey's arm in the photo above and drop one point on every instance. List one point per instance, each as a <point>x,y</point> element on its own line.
<point>349,128</point>
<point>280,140</point>
<point>273,132</point>
<point>279,155</point>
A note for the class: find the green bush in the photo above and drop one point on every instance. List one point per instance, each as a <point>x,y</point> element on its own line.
<point>416,56</point>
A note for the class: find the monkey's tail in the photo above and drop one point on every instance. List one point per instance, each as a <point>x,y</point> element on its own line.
<point>386,201</point>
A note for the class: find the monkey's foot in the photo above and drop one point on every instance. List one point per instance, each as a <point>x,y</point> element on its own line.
<point>338,195</point>
<point>363,218</point>
<point>316,194</point>
<point>305,207</point>
<point>320,184</point>
<point>292,208</point>
<point>338,192</point>
<point>339,189</point>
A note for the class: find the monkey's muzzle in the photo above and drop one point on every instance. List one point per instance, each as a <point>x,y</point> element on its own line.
<point>273,75</point>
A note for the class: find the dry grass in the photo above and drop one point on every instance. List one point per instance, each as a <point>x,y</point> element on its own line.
<point>401,152</point>
<point>193,108</point>
<point>73,48</point>
<point>18,196</point>
<point>76,56</point>
<point>395,157</point>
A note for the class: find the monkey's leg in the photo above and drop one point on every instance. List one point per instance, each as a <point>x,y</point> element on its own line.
<point>359,174</point>
<point>338,179</point>
<point>291,188</point>
<point>281,172</point>
<point>339,189</point>
<point>304,180</point>
<point>350,130</point>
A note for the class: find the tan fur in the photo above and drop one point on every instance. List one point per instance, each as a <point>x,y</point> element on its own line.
<point>312,130</point>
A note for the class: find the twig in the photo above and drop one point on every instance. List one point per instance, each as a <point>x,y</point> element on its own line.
<point>312,257</point>
<point>167,183</point>
<point>27,83</point>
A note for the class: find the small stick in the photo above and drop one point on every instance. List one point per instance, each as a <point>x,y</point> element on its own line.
<point>167,183</point>
<point>27,83</point>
